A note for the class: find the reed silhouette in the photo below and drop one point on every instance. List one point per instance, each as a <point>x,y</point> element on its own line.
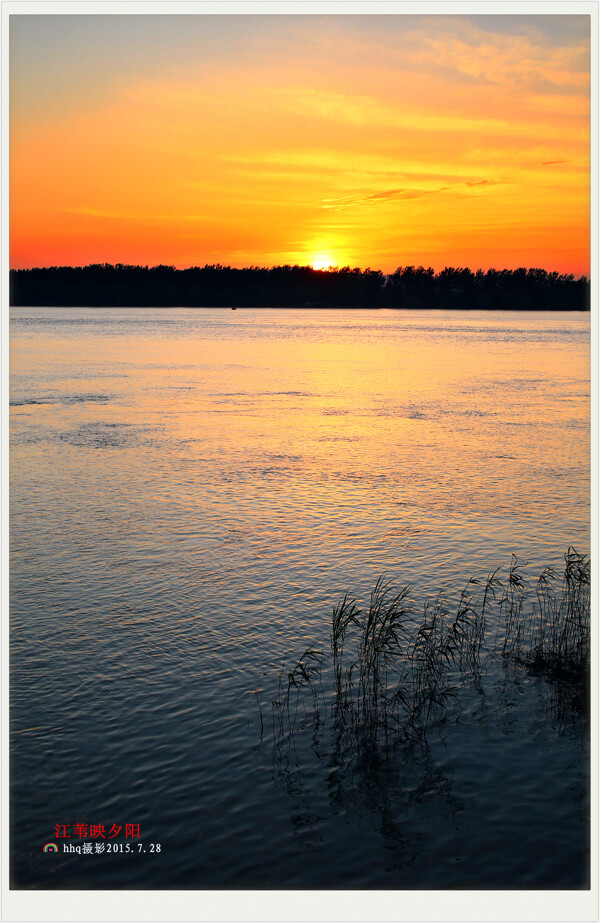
<point>392,673</point>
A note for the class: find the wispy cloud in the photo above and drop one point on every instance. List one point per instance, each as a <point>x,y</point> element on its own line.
<point>375,198</point>
<point>123,216</point>
<point>484,182</point>
<point>547,163</point>
<point>404,193</point>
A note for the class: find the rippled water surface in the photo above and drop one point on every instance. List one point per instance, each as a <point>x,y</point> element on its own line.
<point>191,492</point>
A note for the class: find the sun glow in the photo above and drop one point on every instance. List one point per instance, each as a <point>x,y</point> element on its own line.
<point>323,261</point>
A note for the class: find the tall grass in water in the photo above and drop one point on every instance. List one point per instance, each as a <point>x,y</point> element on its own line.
<point>392,671</point>
<point>554,640</point>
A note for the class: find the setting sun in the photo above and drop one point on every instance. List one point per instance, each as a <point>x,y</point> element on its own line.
<point>322,261</point>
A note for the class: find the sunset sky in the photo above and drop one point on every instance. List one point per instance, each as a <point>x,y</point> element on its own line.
<point>375,141</point>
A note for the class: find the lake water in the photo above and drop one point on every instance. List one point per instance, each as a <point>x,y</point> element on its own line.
<point>191,493</point>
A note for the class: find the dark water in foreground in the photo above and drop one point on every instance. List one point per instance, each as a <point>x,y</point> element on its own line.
<point>191,492</point>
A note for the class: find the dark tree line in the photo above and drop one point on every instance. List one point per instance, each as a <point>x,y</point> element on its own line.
<point>104,285</point>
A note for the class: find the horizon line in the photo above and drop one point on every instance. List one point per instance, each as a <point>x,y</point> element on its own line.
<point>256,267</point>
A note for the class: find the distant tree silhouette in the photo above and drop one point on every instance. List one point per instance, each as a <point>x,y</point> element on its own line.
<point>120,285</point>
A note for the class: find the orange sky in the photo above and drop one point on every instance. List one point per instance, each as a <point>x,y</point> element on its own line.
<point>259,140</point>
